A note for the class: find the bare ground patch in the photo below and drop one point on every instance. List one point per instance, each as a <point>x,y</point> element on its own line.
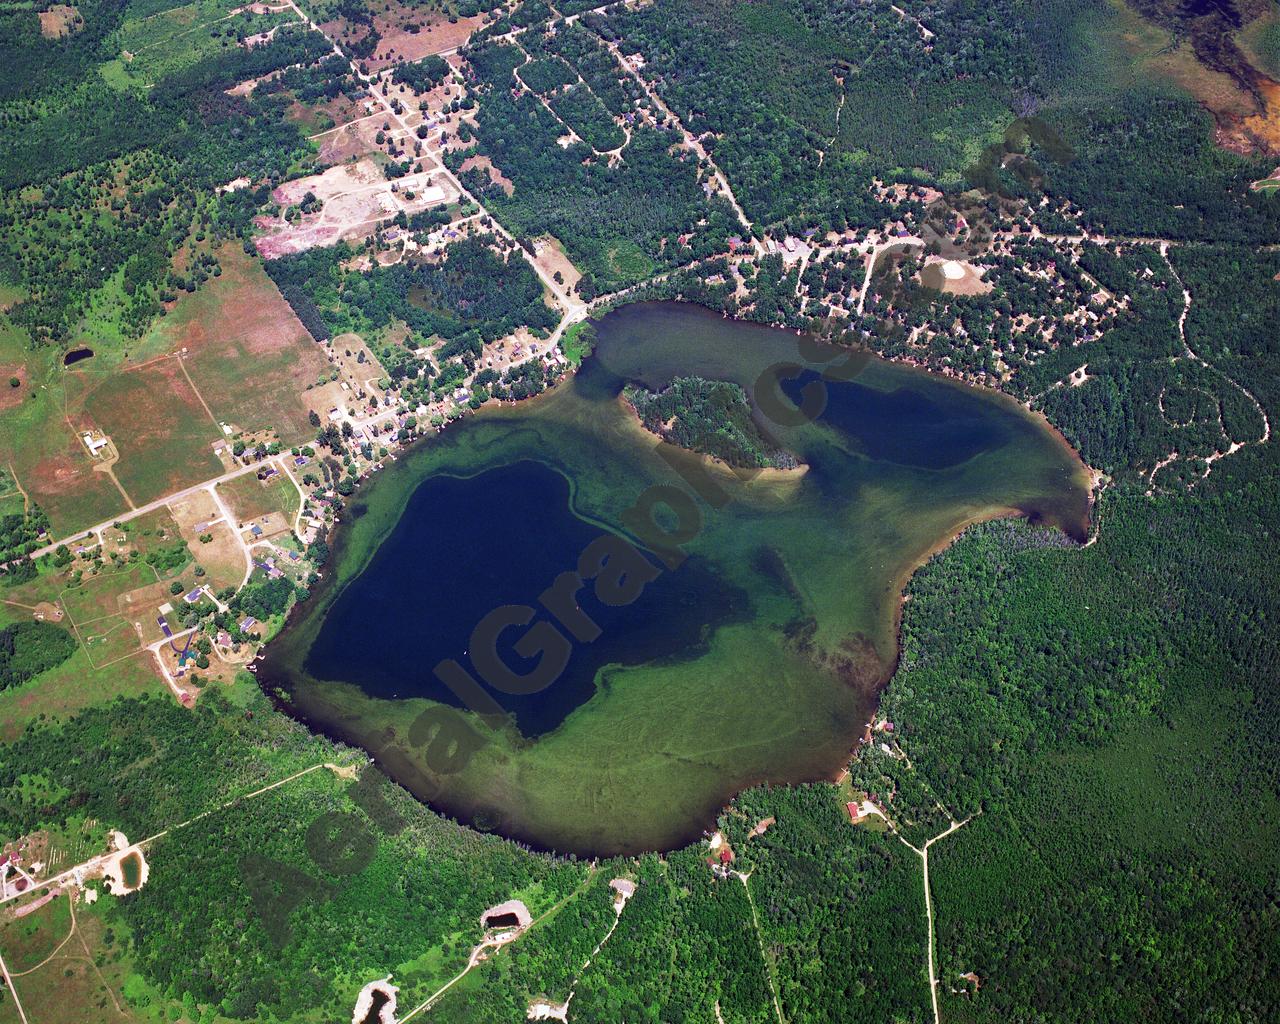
<point>552,259</point>
<point>10,395</point>
<point>495,176</point>
<point>399,44</point>
<point>60,20</point>
<point>356,198</point>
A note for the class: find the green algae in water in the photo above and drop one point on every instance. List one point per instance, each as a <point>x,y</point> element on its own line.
<point>756,660</point>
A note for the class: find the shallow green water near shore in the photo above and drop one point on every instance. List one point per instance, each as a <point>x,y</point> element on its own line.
<point>755,660</point>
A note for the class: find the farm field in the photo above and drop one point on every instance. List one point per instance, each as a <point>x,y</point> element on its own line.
<point>246,351</point>
<point>157,422</point>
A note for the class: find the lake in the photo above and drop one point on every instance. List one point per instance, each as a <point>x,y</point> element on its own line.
<point>755,659</point>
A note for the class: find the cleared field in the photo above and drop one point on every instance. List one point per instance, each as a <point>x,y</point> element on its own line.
<point>31,939</point>
<point>85,973</point>
<point>161,43</point>
<point>60,20</point>
<point>107,641</point>
<point>157,423</point>
<point>99,596</point>
<point>222,557</point>
<point>357,197</point>
<point>248,498</point>
<point>248,354</point>
<point>71,686</point>
<point>12,504</point>
<point>397,43</point>
<point>52,464</point>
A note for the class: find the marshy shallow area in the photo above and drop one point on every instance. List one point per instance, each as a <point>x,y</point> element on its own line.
<point>756,659</point>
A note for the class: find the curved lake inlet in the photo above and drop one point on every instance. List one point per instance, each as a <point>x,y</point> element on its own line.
<point>755,658</point>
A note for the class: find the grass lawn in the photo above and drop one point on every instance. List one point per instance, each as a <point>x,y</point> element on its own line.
<point>573,345</point>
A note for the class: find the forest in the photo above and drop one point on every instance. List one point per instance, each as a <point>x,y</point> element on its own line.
<point>29,648</point>
<point>709,417</point>
<point>475,292</point>
<point>619,222</point>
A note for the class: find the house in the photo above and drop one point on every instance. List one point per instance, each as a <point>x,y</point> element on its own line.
<point>223,638</point>
<point>247,623</point>
<point>255,530</point>
<point>95,442</point>
<point>193,596</point>
<point>855,811</point>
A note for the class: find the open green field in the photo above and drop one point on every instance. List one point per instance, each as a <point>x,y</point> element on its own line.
<point>246,351</point>
<point>49,460</point>
<point>29,941</point>
<point>159,426</point>
<point>99,596</point>
<point>60,956</point>
<point>249,498</point>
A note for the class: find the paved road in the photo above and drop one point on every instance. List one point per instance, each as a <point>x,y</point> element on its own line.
<point>152,506</point>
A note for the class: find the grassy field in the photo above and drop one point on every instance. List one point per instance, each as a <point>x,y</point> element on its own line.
<point>37,441</point>
<point>221,556</point>
<point>71,687</point>
<point>62,956</point>
<point>249,498</point>
<point>159,426</point>
<point>248,354</point>
<point>29,941</point>
<point>573,346</point>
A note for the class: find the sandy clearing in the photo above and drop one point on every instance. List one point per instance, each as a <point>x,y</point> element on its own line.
<point>60,20</point>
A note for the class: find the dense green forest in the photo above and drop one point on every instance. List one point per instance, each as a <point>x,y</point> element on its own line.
<point>481,291</point>
<point>29,648</point>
